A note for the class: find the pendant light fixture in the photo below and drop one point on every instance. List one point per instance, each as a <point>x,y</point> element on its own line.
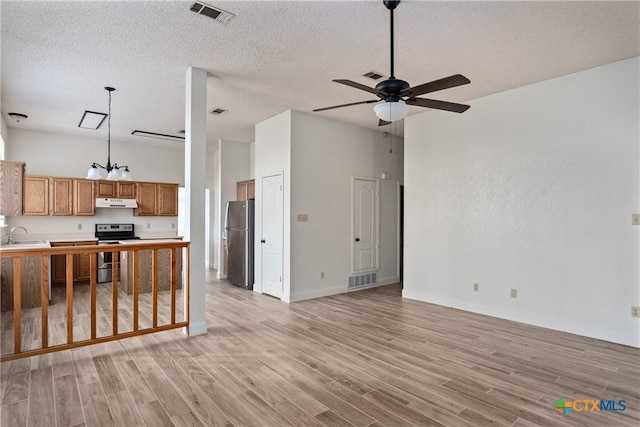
<point>113,171</point>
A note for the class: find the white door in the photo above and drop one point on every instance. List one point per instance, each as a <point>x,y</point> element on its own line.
<point>365,225</point>
<point>272,235</point>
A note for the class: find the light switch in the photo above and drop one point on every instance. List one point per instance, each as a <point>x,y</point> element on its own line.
<point>635,219</point>
<point>303,218</point>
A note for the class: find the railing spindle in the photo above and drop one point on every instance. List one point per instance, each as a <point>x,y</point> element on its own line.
<point>154,287</point>
<point>69,285</point>
<point>44,299</point>
<point>17,305</point>
<point>135,290</point>
<point>115,273</point>
<point>173,286</point>
<point>93,293</point>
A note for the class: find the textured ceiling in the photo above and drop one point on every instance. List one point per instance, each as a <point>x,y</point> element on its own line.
<point>274,55</point>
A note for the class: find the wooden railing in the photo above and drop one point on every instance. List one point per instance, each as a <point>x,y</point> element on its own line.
<point>177,248</point>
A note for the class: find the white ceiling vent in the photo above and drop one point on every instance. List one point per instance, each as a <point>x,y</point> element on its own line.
<point>212,12</point>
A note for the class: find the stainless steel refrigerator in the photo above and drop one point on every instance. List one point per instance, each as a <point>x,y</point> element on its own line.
<point>238,225</point>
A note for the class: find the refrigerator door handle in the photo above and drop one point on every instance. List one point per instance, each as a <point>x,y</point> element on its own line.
<point>226,222</point>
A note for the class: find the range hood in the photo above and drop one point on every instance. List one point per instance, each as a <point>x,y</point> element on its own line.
<point>116,203</point>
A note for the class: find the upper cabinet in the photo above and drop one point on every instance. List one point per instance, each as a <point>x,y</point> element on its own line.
<point>116,189</point>
<point>36,195</point>
<point>246,190</point>
<point>84,200</point>
<point>61,196</point>
<point>11,185</point>
<point>156,199</point>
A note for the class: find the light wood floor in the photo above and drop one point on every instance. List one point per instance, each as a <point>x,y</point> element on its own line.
<point>367,358</point>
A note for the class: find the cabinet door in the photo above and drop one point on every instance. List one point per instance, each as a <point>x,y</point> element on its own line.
<point>12,177</point>
<point>82,264</point>
<point>84,200</point>
<point>61,196</point>
<point>168,202</point>
<point>36,195</point>
<point>127,190</point>
<point>242,190</point>
<point>30,282</point>
<point>106,189</point>
<point>147,199</point>
<point>251,189</point>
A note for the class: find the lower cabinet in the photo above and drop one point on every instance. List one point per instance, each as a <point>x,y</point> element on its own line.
<point>145,271</point>
<point>81,265</point>
<point>30,278</point>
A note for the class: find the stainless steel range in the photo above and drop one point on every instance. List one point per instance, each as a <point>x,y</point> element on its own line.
<point>111,234</point>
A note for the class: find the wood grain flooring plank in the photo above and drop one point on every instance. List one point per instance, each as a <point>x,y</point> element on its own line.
<point>94,405</point>
<point>296,415</point>
<point>108,374</point>
<point>123,409</point>
<point>330,418</point>
<point>16,377</point>
<point>67,401</point>
<point>171,401</point>
<point>14,414</point>
<point>188,419</point>
<point>41,404</point>
<point>154,414</point>
<point>134,382</point>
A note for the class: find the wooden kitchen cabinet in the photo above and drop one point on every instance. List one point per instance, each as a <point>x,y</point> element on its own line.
<point>36,195</point>
<point>147,199</point>
<point>61,196</point>
<point>156,199</point>
<point>168,199</point>
<point>30,282</point>
<point>11,185</point>
<point>246,190</point>
<point>81,264</point>
<point>116,189</point>
<point>84,200</point>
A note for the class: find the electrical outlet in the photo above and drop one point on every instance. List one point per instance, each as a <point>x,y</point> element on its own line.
<point>322,274</point>
<point>148,226</point>
<point>635,311</point>
<point>79,226</point>
<point>173,225</point>
<point>514,293</point>
<point>635,219</point>
<point>476,287</point>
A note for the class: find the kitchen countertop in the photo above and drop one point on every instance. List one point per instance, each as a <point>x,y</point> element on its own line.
<point>150,241</point>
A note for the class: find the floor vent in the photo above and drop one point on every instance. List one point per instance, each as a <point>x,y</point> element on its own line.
<point>211,12</point>
<point>363,280</point>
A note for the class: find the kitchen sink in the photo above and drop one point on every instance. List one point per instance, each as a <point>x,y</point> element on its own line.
<point>24,243</point>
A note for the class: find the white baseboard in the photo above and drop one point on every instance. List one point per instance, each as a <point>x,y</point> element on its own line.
<point>317,294</point>
<point>388,280</point>
<point>197,329</point>
<point>534,319</point>
<point>220,275</point>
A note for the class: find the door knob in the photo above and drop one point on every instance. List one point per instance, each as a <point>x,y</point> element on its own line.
<point>357,239</point>
<point>263,241</point>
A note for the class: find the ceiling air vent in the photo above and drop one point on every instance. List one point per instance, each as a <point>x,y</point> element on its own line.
<point>373,75</point>
<point>218,111</point>
<point>211,12</point>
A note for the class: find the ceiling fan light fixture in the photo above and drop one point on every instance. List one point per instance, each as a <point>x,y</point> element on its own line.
<point>391,111</point>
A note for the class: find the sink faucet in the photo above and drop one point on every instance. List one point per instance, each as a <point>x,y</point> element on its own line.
<point>10,239</point>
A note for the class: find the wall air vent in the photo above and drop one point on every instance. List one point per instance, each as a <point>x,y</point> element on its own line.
<point>368,279</point>
<point>217,111</point>
<point>210,11</point>
<point>373,75</point>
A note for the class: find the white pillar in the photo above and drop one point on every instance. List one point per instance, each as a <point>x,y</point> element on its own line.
<point>194,180</point>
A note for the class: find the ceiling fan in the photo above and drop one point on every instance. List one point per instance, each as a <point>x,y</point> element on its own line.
<point>398,94</point>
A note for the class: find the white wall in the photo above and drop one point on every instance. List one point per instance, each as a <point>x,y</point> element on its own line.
<point>273,157</point>
<point>326,154</point>
<point>532,189</point>
<point>318,158</point>
<point>70,156</point>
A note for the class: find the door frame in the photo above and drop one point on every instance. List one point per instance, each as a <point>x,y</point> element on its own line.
<point>353,221</point>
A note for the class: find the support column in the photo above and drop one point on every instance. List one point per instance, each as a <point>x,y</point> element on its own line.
<point>194,180</point>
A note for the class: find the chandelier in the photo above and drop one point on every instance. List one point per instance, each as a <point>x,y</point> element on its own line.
<point>113,171</point>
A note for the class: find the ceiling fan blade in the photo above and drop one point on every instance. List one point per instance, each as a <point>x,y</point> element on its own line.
<point>383,122</point>
<point>438,105</point>
<point>359,86</point>
<point>444,83</point>
<point>347,105</point>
